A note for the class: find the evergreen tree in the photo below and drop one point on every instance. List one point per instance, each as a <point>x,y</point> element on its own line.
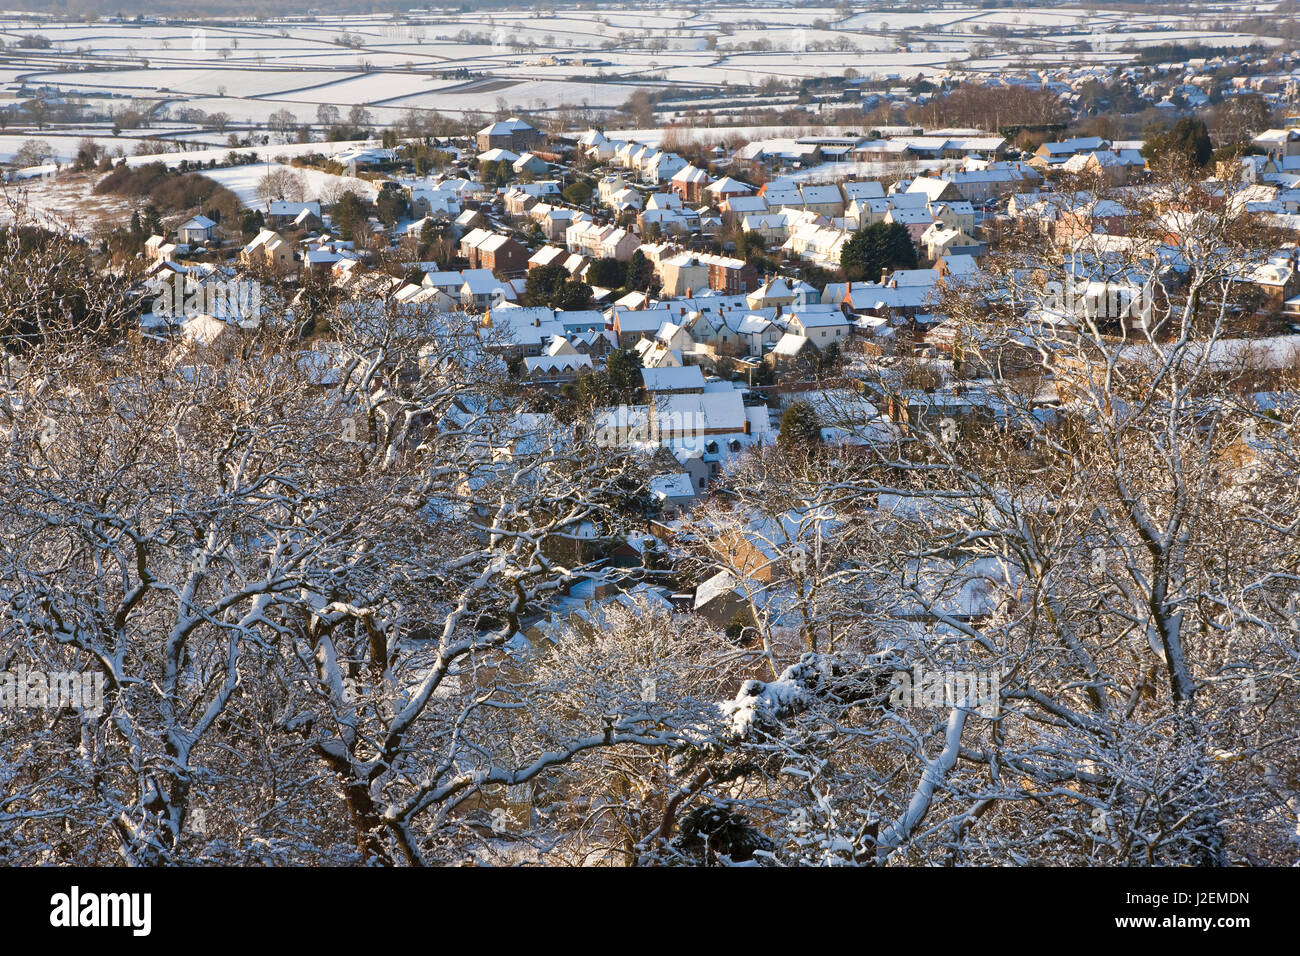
<point>875,248</point>
<point>623,370</point>
<point>1188,140</point>
<point>608,273</point>
<point>553,287</point>
<point>800,427</point>
<point>640,273</point>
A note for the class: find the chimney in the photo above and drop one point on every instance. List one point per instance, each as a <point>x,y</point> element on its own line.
<point>884,276</point>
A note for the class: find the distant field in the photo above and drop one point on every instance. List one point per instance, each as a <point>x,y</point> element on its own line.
<point>484,60</point>
<point>243,180</point>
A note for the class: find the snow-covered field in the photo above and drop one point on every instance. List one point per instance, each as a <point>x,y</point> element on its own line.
<point>477,63</point>
<point>66,202</point>
<point>243,180</point>
<point>325,59</point>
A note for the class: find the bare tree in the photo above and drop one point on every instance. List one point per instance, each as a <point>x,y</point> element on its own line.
<point>282,122</point>
<point>282,183</point>
<point>32,152</point>
<point>359,116</point>
<point>296,571</point>
<point>327,114</point>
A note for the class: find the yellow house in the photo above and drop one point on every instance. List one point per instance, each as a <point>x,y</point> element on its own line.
<point>268,250</point>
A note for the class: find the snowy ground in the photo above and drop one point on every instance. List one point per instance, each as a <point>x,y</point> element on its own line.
<point>562,56</point>
<point>478,62</point>
<point>49,201</point>
<point>243,180</point>
<point>265,153</point>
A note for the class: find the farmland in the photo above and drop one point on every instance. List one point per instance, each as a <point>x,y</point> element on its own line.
<point>471,64</point>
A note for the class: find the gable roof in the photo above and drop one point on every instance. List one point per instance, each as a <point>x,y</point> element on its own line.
<point>711,411</point>
<point>677,378</point>
<point>728,185</point>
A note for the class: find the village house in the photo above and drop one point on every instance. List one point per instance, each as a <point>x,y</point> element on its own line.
<point>161,249</point>
<point>499,254</point>
<point>688,184</point>
<point>268,250</point>
<point>825,201</point>
<point>792,353</point>
<point>1279,144</point>
<point>661,167</point>
<point>940,240</point>
<point>1278,279</point>
<point>772,226</point>
<point>683,274</point>
<point>957,214</point>
<point>283,213</point>
<point>1058,153</point>
<point>512,134</point>
<point>601,242</point>
<point>725,189</point>
<point>1098,216</point>
<point>782,194</point>
<point>751,334</point>
<point>196,231</point>
<point>680,380</point>
<point>530,163</point>
<point>656,354</point>
<point>744,205</point>
<point>934,189</point>
<point>518,202</point>
<point>730,275</point>
<point>545,256</point>
<point>820,325</point>
<point>689,417</point>
<point>555,220</point>
<point>675,338</point>
<point>480,289</point>
<point>1115,166</point>
<point>558,364</point>
<point>774,292</point>
<point>632,325</point>
<point>914,220</point>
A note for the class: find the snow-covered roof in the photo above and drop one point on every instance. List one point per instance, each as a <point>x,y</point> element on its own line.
<point>676,378</point>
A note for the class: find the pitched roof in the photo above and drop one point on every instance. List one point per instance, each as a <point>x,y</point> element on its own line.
<point>698,413</point>
<point>676,378</point>
<point>728,185</point>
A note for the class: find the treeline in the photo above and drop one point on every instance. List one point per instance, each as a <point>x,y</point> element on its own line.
<point>93,9</point>
<point>172,192</point>
<point>1182,52</point>
<point>990,107</point>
